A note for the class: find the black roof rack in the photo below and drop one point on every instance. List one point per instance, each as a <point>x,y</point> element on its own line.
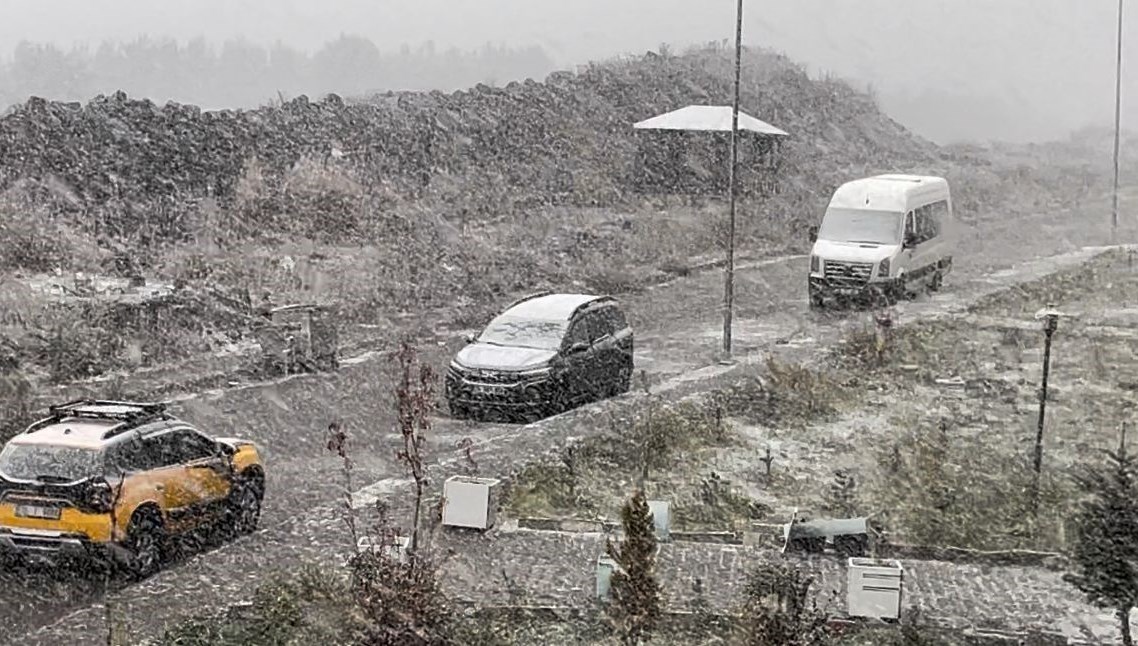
<point>129,414</point>
<point>108,409</point>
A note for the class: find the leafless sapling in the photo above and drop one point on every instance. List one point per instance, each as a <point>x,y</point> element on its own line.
<point>415,402</point>
<point>337,443</point>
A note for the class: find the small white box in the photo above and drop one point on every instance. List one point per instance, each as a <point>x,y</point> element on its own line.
<point>874,588</point>
<point>605,569</point>
<point>661,518</point>
<point>470,502</point>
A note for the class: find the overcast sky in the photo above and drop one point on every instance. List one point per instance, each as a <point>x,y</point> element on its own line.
<point>1050,62</point>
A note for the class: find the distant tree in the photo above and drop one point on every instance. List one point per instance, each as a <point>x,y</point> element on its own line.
<point>636,603</point>
<point>347,65</point>
<point>1105,552</point>
<point>243,74</point>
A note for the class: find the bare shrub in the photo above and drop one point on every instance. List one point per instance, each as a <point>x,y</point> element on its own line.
<point>399,597</point>
<point>840,497</point>
<point>938,489</point>
<point>34,238</point>
<point>546,489</point>
<point>659,431</point>
<point>717,506</point>
<point>71,348</point>
<point>402,601</point>
<point>650,440</point>
<point>303,607</point>
<point>789,394</point>
<point>780,609</point>
<point>16,403</point>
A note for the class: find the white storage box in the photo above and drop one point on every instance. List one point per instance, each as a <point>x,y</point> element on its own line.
<point>605,569</point>
<point>470,502</point>
<point>661,518</point>
<point>874,588</point>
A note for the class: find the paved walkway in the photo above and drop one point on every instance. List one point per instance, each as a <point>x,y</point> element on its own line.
<point>558,569</point>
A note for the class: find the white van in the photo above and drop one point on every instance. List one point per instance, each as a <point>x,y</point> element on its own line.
<point>890,235</point>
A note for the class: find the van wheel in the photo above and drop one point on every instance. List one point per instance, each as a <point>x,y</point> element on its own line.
<point>936,282</point>
<point>816,300</point>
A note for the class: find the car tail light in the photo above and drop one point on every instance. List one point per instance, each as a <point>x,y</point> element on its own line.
<point>100,496</point>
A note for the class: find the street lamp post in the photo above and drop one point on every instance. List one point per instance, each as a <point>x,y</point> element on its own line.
<point>1050,318</point>
<point>1117,127</point>
<point>729,286</point>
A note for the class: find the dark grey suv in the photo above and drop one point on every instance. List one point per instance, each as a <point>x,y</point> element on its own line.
<point>544,354</point>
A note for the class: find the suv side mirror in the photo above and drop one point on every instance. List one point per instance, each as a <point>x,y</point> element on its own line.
<point>910,241</point>
<point>468,339</point>
<point>813,233</point>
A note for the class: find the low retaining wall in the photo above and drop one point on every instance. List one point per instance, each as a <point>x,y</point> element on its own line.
<point>769,535</point>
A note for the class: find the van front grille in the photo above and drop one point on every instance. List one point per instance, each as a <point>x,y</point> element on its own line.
<point>853,272</point>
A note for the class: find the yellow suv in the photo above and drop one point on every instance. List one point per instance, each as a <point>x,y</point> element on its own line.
<point>116,480</point>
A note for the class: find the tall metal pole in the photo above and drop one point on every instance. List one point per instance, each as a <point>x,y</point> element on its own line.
<point>1050,323</point>
<point>729,287</point>
<point>1117,127</point>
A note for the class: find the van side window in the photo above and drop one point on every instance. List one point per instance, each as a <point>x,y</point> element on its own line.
<point>936,214</point>
<point>939,213</point>
<point>924,230</point>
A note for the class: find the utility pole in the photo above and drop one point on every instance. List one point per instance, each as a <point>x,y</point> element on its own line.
<point>729,286</point>
<point>1117,128</point>
<point>1050,319</point>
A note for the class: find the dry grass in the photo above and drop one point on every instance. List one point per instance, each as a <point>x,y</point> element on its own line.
<point>715,505</point>
<point>593,476</point>
<point>938,488</point>
<point>787,394</point>
<point>16,403</point>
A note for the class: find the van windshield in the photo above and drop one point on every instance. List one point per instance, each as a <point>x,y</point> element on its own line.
<point>861,225</point>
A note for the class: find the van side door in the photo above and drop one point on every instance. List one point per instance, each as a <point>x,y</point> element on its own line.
<point>940,221</point>
<point>911,255</point>
<point>923,260</point>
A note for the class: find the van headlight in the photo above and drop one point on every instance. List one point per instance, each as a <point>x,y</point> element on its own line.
<point>815,264</point>
<point>883,268</point>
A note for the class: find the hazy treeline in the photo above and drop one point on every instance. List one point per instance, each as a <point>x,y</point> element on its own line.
<point>242,74</point>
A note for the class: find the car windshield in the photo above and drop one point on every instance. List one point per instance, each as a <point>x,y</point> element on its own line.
<point>518,332</point>
<point>50,463</point>
<point>861,225</point>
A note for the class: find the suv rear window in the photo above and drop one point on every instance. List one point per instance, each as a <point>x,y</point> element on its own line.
<point>50,463</point>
